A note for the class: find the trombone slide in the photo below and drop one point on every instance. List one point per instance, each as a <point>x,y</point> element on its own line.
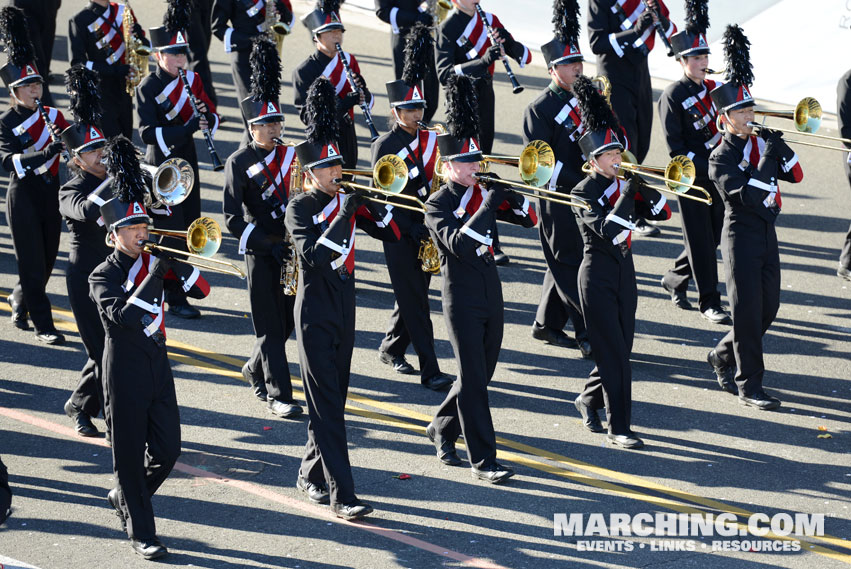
<point>535,192</point>
<point>198,261</point>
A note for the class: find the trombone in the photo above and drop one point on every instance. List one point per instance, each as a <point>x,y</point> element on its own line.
<point>203,239</point>
<point>390,175</point>
<point>807,118</point>
<point>535,164</point>
<point>678,176</point>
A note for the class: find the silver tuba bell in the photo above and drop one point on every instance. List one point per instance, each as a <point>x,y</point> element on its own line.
<point>173,181</point>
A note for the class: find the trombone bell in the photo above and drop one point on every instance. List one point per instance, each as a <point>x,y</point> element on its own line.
<point>536,163</point>
<point>681,174</point>
<point>806,115</point>
<point>203,236</point>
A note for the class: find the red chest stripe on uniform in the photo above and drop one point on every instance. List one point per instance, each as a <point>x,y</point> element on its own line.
<point>609,198</point>
<point>471,201</point>
<point>109,31</point>
<point>175,100</point>
<point>34,135</point>
<point>477,35</point>
<point>279,165</point>
<point>347,252</point>
<point>336,73</point>
<point>422,149</point>
<point>630,10</point>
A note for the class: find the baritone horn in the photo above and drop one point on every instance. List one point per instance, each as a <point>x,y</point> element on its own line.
<point>172,183</point>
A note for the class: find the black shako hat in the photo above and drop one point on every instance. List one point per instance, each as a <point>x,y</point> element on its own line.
<point>407,92</point>
<point>20,66</point>
<point>263,105</point>
<point>85,133</point>
<point>171,36</point>
<point>320,150</point>
<point>692,40</point>
<point>564,47</point>
<point>735,93</point>
<point>325,17</point>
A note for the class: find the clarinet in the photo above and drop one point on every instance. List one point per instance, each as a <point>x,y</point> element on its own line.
<point>373,134</point>
<point>214,157</point>
<point>516,86</point>
<point>658,25</point>
<point>54,136</point>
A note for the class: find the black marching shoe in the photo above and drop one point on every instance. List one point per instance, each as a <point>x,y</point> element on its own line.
<point>316,493</point>
<point>644,229</point>
<point>115,501</point>
<point>445,448</point>
<point>585,349</point>
<point>550,336</point>
<point>500,258</point>
<point>354,510</point>
<point>494,473</point>
<point>843,272</point>
<point>439,382</point>
<point>716,315</point>
<point>590,418</point>
<point>284,409</point>
<point>761,400</point>
<point>630,440</point>
<point>399,363</point>
<point>82,422</point>
<point>723,373</point>
<point>149,548</point>
<point>51,337</point>
<point>678,297</point>
<point>185,311</point>
<point>19,317</point>
<point>258,384</point>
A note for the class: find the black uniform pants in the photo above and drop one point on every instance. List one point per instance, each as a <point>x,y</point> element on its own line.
<point>410,322</point>
<point>430,83</point>
<point>845,256</point>
<point>560,295</point>
<point>5,492</point>
<point>35,224</point>
<point>752,264</point>
<point>240,68</point>
<point>88,395</point>
<point>476,336</point>
<point>272,316</point>
<point>609,298</point>
<point>701,235</point>
<point>145,428</point>
<point>200,35</point>
<point>633,105</point>
<point>325,351</point>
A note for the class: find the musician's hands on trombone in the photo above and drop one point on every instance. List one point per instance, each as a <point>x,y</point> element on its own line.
<point>161,263</point>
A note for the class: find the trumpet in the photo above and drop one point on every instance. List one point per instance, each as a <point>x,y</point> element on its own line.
<point>390,175</point>
<point>172,184</point>
<point>535,164</point>
<point>678,176</point>
<point>203,239</point>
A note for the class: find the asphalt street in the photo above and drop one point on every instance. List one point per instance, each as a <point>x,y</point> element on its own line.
<point>232,502</point>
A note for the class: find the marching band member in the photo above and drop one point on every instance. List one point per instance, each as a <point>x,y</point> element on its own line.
<point>327,31</point>
<point>622,34</point>
<point>607,287</point>
<point>410,322</point>
<point>166,123</point>
<point>688,121</point>
<point>461,217</point>
<point>258,178</point>
<point>30,151</point>
<point>746,169</point>
<point>142,407</point>
<point>96,40</point>
<point>843,105</point>
<point>403,16</point>
<point>237,23</point>
<point>554,118</point>
<point>79,203</point>
<point>5,494</point>
<point>200,36</point>
<point>322,225</point>
<point>41,23</point>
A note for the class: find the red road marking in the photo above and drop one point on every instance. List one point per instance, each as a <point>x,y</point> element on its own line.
<point>270,495</point>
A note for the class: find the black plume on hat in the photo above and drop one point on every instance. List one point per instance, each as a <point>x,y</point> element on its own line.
<point>321,108</point>
<point>83,86</point>
<point>737,54</point>
<point>596,113</point>
<point>418,48</point>
<point>129,180</point>
<point>177,16</point>
<point>462,107</point>
<point>566,21</point>
<point>697,16</point>
<point>16,35</point>
<point>265,70</point>
<point>329,6</point>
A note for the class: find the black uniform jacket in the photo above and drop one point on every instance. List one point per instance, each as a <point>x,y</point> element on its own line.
<point>166,123</point>
<point>400,14</point>
<point>255,197</point>
<point>688,121</point>
<point>22,137</point>
<point>246,18</point>
<point>460,53</point>
<point>79,203</point>
<point>554,118</point>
